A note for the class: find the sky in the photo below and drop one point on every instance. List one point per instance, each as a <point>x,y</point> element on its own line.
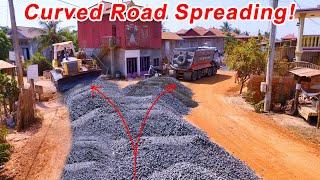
<point>311,27</point>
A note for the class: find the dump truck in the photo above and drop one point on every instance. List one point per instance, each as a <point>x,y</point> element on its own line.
<point>68,70</point>
<point>191,64</point>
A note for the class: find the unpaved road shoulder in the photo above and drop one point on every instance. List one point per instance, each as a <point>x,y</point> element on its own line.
<point>41,153</point>
<point>271,151</point>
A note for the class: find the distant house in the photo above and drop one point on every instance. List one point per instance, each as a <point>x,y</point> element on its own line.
<point>308,46</point>
<point>170,41</point>
<point>123,46</point>
<point>200,36</point>
<point>286,48</point>
<point>27,40</point>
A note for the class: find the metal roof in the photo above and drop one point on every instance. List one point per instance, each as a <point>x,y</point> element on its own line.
<point>170,36</point>
<point>6,65</point>
<point>305,72</point>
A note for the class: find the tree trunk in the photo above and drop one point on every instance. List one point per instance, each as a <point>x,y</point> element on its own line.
<point>242,84</point>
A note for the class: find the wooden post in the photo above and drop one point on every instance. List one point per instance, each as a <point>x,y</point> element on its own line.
<point>32,91</point>
<point>296,96</point>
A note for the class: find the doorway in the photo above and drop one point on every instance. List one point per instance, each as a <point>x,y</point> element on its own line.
<point>132,67</point>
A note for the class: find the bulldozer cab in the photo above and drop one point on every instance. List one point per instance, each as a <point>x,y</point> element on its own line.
<point>62,51</point>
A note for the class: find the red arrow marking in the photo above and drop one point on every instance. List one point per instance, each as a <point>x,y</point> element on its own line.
<point>134,144</point>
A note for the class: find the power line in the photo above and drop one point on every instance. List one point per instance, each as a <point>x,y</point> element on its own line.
<point>68,3</point>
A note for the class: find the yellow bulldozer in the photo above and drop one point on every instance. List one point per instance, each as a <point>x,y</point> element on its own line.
<point>71,68</point>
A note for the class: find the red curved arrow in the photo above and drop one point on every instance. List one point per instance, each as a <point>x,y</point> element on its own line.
<point>134,144</point>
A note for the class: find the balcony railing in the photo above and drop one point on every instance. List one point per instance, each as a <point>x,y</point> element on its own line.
<point>311,41</point>
<point>304,65</point>
<point>111,41</point>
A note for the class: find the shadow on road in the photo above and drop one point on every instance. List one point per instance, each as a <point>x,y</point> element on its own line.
<point>212,80</point>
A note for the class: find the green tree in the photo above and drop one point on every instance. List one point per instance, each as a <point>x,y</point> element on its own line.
<point>226,27</point>
<point>237,31</point>
<point>246,59</point>
<point>9,92</point>
<point>5,45</point>
<point>68,35</point>
<point>50,34</point>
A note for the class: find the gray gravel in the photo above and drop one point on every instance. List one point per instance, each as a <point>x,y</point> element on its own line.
<point>170,148</point>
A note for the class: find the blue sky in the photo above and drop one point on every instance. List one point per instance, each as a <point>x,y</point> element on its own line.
<point>312,27</point>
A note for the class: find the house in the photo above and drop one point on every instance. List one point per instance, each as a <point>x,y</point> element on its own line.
<point>27,40</point>
<point>123,46</point>
<point>170,41</point>
<point>199,36</point>
<point>286,49</point>
<point>307,43</point>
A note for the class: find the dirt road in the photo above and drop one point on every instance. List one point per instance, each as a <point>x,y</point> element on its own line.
<point>272,152</point>
<point>40,153</point>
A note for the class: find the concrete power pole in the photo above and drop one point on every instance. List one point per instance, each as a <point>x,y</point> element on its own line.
<point>18,59</point>
<point>16,44</point>
<point>272,40</point>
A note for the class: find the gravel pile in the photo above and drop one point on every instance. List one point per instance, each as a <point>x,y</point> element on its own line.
<point>170,148</point>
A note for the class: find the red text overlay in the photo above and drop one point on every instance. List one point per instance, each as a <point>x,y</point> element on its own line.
<point>183,12</point>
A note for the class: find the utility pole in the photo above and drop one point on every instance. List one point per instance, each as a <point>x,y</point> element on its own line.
<point>18,58</point>
<point>269,74</point>
<point>16,44</point>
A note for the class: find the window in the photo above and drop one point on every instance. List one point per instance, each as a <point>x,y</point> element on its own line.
<point>144,64</point>
<point>156,62</point>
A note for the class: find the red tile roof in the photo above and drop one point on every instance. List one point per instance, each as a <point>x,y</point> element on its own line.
<point>289,37</point>
<point>201,31</point>
<point>107,5</point>
<point>170,36</point>
<point>217,32</point>
<point>181,31</point>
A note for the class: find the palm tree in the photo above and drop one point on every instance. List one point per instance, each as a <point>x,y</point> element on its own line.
<point>246,33</point>
<point>237,31</point>
<point>50,35</point>
<point>226,27</point>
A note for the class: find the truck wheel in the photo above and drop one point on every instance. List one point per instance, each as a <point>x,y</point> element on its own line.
<point>194,76</point>
<point>210,72</point>
<point>199,74</point>
<point>215,71</point>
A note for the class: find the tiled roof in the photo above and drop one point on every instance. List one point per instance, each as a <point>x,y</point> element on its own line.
<point>170,36</point>
<point>201,31</point>
<point>289,37</point>
<point>107,5</point>
<point>181,31</point>
<point>28,32</point>
<point>5,65</point>
<point>217,32</point>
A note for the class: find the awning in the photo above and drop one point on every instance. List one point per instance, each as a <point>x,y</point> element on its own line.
<point>305,72</point>
<point>6,65</point>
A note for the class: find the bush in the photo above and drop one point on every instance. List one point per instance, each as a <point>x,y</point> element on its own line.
<point>4,153</point>
<point>4,147</point>
<point>41,61</point>
<point>3,134</point>
<point>249,97</point>
<point>259,107</point>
